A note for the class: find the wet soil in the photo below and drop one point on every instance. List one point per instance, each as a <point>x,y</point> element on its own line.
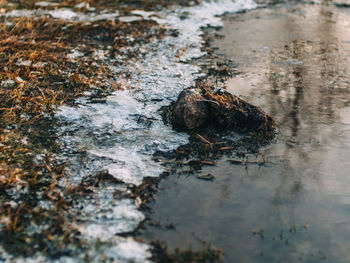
<point>287,201</point>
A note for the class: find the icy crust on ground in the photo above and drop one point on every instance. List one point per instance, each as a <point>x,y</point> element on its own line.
<point>123,131</point>
<point>104,216</point>
<point>126,130</point>
<point>64,14</point>
<point>120,135</point>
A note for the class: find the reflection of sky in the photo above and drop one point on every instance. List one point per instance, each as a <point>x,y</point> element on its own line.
<point>309,99</point>
<point>297,71</point>
<point>344,115</point>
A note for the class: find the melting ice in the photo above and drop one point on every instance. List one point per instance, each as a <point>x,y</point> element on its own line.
<point>122,133</point>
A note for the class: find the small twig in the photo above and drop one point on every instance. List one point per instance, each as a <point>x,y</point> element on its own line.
<point>203,139</point>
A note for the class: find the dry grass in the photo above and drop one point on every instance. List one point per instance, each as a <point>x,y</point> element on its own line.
<point>31,63</point>
<point>35,73</point>
<point>36,77</point>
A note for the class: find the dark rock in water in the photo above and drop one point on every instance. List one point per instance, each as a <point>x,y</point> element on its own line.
<point>231,112</point>
<point>190,110</point>
<point>196,107</point>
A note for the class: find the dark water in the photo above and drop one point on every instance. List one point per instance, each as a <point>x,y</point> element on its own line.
<point>294,63</point>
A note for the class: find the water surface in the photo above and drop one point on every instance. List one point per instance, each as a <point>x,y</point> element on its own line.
<point>293,204</point>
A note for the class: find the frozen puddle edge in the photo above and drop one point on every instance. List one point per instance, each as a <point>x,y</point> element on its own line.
<point>122,133</point>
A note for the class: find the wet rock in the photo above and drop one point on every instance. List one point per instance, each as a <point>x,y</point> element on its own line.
<point>197,107</point>
<point>231,112</point>
<point>190,110</point>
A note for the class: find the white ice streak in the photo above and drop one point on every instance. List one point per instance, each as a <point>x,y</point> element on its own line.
<point>75,54</point>
<point>20,13</point>
<point>26,63</point>
<point>207,13</point>
<point>144,14</point>
<point>82,5</point>
<point>45,4</point>
<point>129,251</point>
<point>128,19</point>
<point>137,15</point>
<point>124,133</point>
<point>196,17</point>
<point>69,14</point>
<point>111,218</point>
<point>63,14</point>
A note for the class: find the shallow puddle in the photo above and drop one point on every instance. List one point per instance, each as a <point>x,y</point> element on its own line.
<point>291,202</point>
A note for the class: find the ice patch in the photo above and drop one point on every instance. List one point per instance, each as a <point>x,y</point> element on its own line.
<point>75,54</point>
<point>39,64</point>
<point>120,135</point>
<point>145,15</point>
<point>63,13</point>
<point>21,13</point>
<point>45,4</point>
<point>207,13</point>
<point>109,218</point>
<point>128,19</point>
<point>99,17</point>
<point>68,14</point>
<point>130,167</point>
<point>25,63</point>
<point>199,16</point>
<point>129,251</point>
<point>82,5</point>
